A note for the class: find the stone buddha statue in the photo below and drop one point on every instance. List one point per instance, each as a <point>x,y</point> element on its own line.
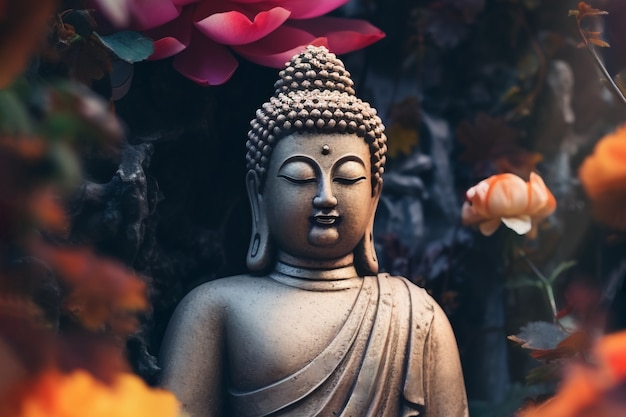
<point>313,330</point>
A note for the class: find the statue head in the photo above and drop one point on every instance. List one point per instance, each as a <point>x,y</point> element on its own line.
<point>316,151</point>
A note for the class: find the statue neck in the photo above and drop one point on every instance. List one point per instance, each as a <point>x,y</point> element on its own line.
<point>316,279</point>
<point>338,269</point>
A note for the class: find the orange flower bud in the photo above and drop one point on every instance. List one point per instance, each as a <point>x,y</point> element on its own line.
<point>508,199</point>
<point>603,176</point>
<point>79,394</point>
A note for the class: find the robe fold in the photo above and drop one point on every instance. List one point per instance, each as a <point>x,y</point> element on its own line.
<point>373,367</point>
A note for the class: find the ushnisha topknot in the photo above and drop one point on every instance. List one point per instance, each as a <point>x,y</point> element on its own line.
<point>314,94</point>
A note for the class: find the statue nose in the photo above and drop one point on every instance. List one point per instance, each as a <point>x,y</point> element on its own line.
<point>325,197</point>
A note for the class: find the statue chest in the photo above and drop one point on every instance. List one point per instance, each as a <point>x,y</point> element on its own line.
<point>271,335</point>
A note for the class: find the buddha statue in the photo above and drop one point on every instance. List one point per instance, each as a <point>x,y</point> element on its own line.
<point>313,330</point>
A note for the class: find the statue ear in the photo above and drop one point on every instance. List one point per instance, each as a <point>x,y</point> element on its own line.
<point>259,253</point>
<point>365,259</point>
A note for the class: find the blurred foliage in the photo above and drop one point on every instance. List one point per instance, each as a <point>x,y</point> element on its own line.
<point>62,307</point>
<point>594,387</point>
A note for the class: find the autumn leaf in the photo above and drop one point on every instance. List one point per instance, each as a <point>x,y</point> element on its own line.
<point>553,347</point>
<point>21,158</point>
<point>593,389</point>
<point>490,144</point>
<point>33,346</point>
<point>22,26</point>
<point>102,292</point>
<point>539,335</point>
<point>575,344</point>
<point>585,10</point>
<point>48,211</point>
<point>400,140</point>
<point>87,60</point>
<point>402,134</point>
<point>36,347</point>
<point>27,147</point>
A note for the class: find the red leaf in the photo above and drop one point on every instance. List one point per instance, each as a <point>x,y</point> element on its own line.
<point>102,292</point>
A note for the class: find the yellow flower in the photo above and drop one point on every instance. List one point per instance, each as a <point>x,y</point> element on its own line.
<point>603,176</point>
<point>401,140</point>
<point>508,199</point>
<point>79,394</point>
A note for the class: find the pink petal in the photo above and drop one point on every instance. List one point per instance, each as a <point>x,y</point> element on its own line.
<point>279,46</point>
<point>152,13</point>
<point>166,47</point>
<point>115,10</point>
<point>235,28</point>
<point>344,35</point>
<point>306,9</point>
<point>205,62</point>
<point>172,37</point>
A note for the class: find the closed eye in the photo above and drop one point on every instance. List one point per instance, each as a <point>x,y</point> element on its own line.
<point>297,180</point>
<point>348,181</point>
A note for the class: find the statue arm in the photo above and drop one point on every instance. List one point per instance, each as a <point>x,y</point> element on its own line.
<point>445,388</point>
<point>192,353</point>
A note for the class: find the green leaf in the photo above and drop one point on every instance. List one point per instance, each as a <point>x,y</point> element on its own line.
<point>66,164</point>
<point>14,118</point>
<point>128,45</point>
<point>544,373</point>
<point>563,266</point>
<point>522,281</point>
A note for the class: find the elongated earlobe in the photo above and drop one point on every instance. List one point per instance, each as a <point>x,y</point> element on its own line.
<point>365,259</point>
<point>260,252</point>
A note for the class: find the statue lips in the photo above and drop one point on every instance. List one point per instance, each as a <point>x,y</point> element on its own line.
<point>326,219</point>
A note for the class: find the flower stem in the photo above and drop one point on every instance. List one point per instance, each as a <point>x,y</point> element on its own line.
<point>545,283</point>
<point>605,72</point>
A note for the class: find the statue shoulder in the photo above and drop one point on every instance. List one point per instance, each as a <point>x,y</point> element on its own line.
<point>418,294</point>
<point>221,290</point>
<point>228,283</point>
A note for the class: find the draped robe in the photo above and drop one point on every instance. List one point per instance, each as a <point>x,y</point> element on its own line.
<point>375,366</point>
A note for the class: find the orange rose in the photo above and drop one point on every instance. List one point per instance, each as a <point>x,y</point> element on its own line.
<point>79,394</point>
<point>603,176</point>
<point>508,199</point>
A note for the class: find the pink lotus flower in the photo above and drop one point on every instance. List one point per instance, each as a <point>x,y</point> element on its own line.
<point>203,34</point>
<point>508,199</point>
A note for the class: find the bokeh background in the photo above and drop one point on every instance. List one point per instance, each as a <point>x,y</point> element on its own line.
<point>466,88</point>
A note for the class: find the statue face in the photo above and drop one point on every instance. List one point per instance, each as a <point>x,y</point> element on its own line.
<point>318,194</point>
